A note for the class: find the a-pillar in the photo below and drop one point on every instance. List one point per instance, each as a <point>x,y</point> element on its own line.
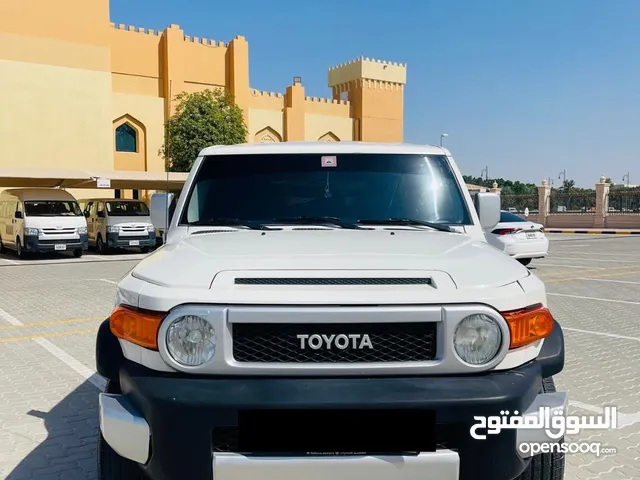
<point>544,192</point>
<point>602,201</point>
<point>294,129</point>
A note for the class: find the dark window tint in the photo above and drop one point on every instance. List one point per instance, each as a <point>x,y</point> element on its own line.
<point>126,139</point>
<point>52,208</point>
<point>356,186</point>
<point>510,217</point>
<point>127,209</point>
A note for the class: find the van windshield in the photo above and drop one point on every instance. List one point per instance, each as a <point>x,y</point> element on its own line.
<point>52,208</point>
<point>127,209</point>
<point>348,187</point>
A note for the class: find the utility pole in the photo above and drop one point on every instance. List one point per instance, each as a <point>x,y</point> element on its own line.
<point>563,175</point>
<point>485,171</point>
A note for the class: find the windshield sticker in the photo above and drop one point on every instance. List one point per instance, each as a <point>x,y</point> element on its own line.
<point>329,161</point>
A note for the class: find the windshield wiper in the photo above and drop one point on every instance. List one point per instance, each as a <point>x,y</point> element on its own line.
<point>407,222</point>
<point>231,222</point>
<point>310,220</point>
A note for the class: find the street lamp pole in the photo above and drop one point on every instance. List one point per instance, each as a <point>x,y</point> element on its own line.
<point>563,175</point>
<point>485,171</point>
<point>442,135</point>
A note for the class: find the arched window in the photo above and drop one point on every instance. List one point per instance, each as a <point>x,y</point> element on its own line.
<point>126,139</point>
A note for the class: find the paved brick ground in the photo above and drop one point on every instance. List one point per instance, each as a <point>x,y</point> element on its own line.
<point>50,310</point>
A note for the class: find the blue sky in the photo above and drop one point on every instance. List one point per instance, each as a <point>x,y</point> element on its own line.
<point>527,88</point>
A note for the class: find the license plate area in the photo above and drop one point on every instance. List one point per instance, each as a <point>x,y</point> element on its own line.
<point>134,243</point>
<point>60,246</point>
<point>531,235</point>
<point>336,432</point>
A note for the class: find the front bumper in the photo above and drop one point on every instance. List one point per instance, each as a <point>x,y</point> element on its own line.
<point>32,243</point>
<point>167,422</point>
<point>115,240</point>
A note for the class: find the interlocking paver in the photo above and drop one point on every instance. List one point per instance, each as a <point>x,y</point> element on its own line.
<point>48,412</point>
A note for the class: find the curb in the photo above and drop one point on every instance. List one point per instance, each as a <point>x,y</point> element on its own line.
<point>594,232</point>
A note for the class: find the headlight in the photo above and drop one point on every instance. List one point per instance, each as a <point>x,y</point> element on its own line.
<point>191,340</point>
<point>31,231</point>
<point>113,229</point>
<point>477,339</point>
<point>151,228</point>
<point>82,230</point>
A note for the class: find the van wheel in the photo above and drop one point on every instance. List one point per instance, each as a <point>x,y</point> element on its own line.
<point>21,253</point>
<point>144,249</point>
<point>545,466</point>
<point>525,261</point>
<point>101,247</point>
<point>112,466</point>
<point>77,252</point>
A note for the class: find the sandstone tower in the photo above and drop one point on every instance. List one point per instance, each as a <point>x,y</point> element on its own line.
<point>375,91</point>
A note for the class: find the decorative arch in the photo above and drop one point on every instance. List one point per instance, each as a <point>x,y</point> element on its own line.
<point>329,137</point>
<point>268,135</point>
<point>129,134</point>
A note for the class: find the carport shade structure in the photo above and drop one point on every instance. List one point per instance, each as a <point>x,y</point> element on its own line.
<point>51,178</point>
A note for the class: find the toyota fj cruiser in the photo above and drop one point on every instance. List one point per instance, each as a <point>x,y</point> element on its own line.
<point>326,310</point>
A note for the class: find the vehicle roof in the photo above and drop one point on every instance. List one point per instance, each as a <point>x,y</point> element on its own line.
<point>101,199</point>
<point>323,148</point>
<point>39,194</point>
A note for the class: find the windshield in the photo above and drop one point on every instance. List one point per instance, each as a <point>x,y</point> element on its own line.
<point>510,217</point>
<point>52,208</point>
<point>127,209</point>
<point>348,187</point>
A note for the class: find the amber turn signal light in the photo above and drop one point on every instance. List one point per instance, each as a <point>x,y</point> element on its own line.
<point>528,325</point>
<point>136,326</point>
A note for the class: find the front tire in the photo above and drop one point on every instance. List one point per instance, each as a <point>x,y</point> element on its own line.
<point>19,250</point>
<point>101,247</point>
<point>77,252</point>
<point>525,261</point>
<point>545,466</point>
<point>112,466</point>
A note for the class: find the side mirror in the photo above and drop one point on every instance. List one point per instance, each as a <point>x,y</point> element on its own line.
<point>17,215</point>
<point>488,208</point>
<point>86,213</point>
<point>160,204</point>
<point>100,214</point>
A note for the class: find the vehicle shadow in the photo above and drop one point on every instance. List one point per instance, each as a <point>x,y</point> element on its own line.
<point>69,451</point>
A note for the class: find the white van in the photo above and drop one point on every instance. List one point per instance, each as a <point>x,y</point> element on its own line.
<point>35,220</point>
<point>118,223</point>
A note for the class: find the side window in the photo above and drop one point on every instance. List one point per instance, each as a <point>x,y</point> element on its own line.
<point>101,210</point>
<point>19,207</point>
<point>88,208</point>
<point>198,200</point>
<point>93,209</point>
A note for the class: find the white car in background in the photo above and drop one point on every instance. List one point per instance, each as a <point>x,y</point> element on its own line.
<point>518,238</point>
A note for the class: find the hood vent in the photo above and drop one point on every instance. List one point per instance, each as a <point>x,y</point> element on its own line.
<point>333,281</point>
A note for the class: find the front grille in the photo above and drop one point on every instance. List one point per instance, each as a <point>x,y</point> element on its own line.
<point>279,342</point>
<point>225,439</point>
<point>332,281</point>
<point>58,231</point>
<point>134,237</point>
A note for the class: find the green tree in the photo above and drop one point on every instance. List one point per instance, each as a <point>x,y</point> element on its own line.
<point>201,119</point>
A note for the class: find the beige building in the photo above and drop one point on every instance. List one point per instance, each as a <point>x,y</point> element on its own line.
<point>78,92</point>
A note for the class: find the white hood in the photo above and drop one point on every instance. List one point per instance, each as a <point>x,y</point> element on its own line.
<point>203,261</point>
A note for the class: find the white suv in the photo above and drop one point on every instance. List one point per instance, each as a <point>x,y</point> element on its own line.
<point>327,310</point>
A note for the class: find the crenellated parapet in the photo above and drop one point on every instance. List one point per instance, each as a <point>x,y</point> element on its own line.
<point>156,33</point>
<point>368,73</point>
<point>328,101</point>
